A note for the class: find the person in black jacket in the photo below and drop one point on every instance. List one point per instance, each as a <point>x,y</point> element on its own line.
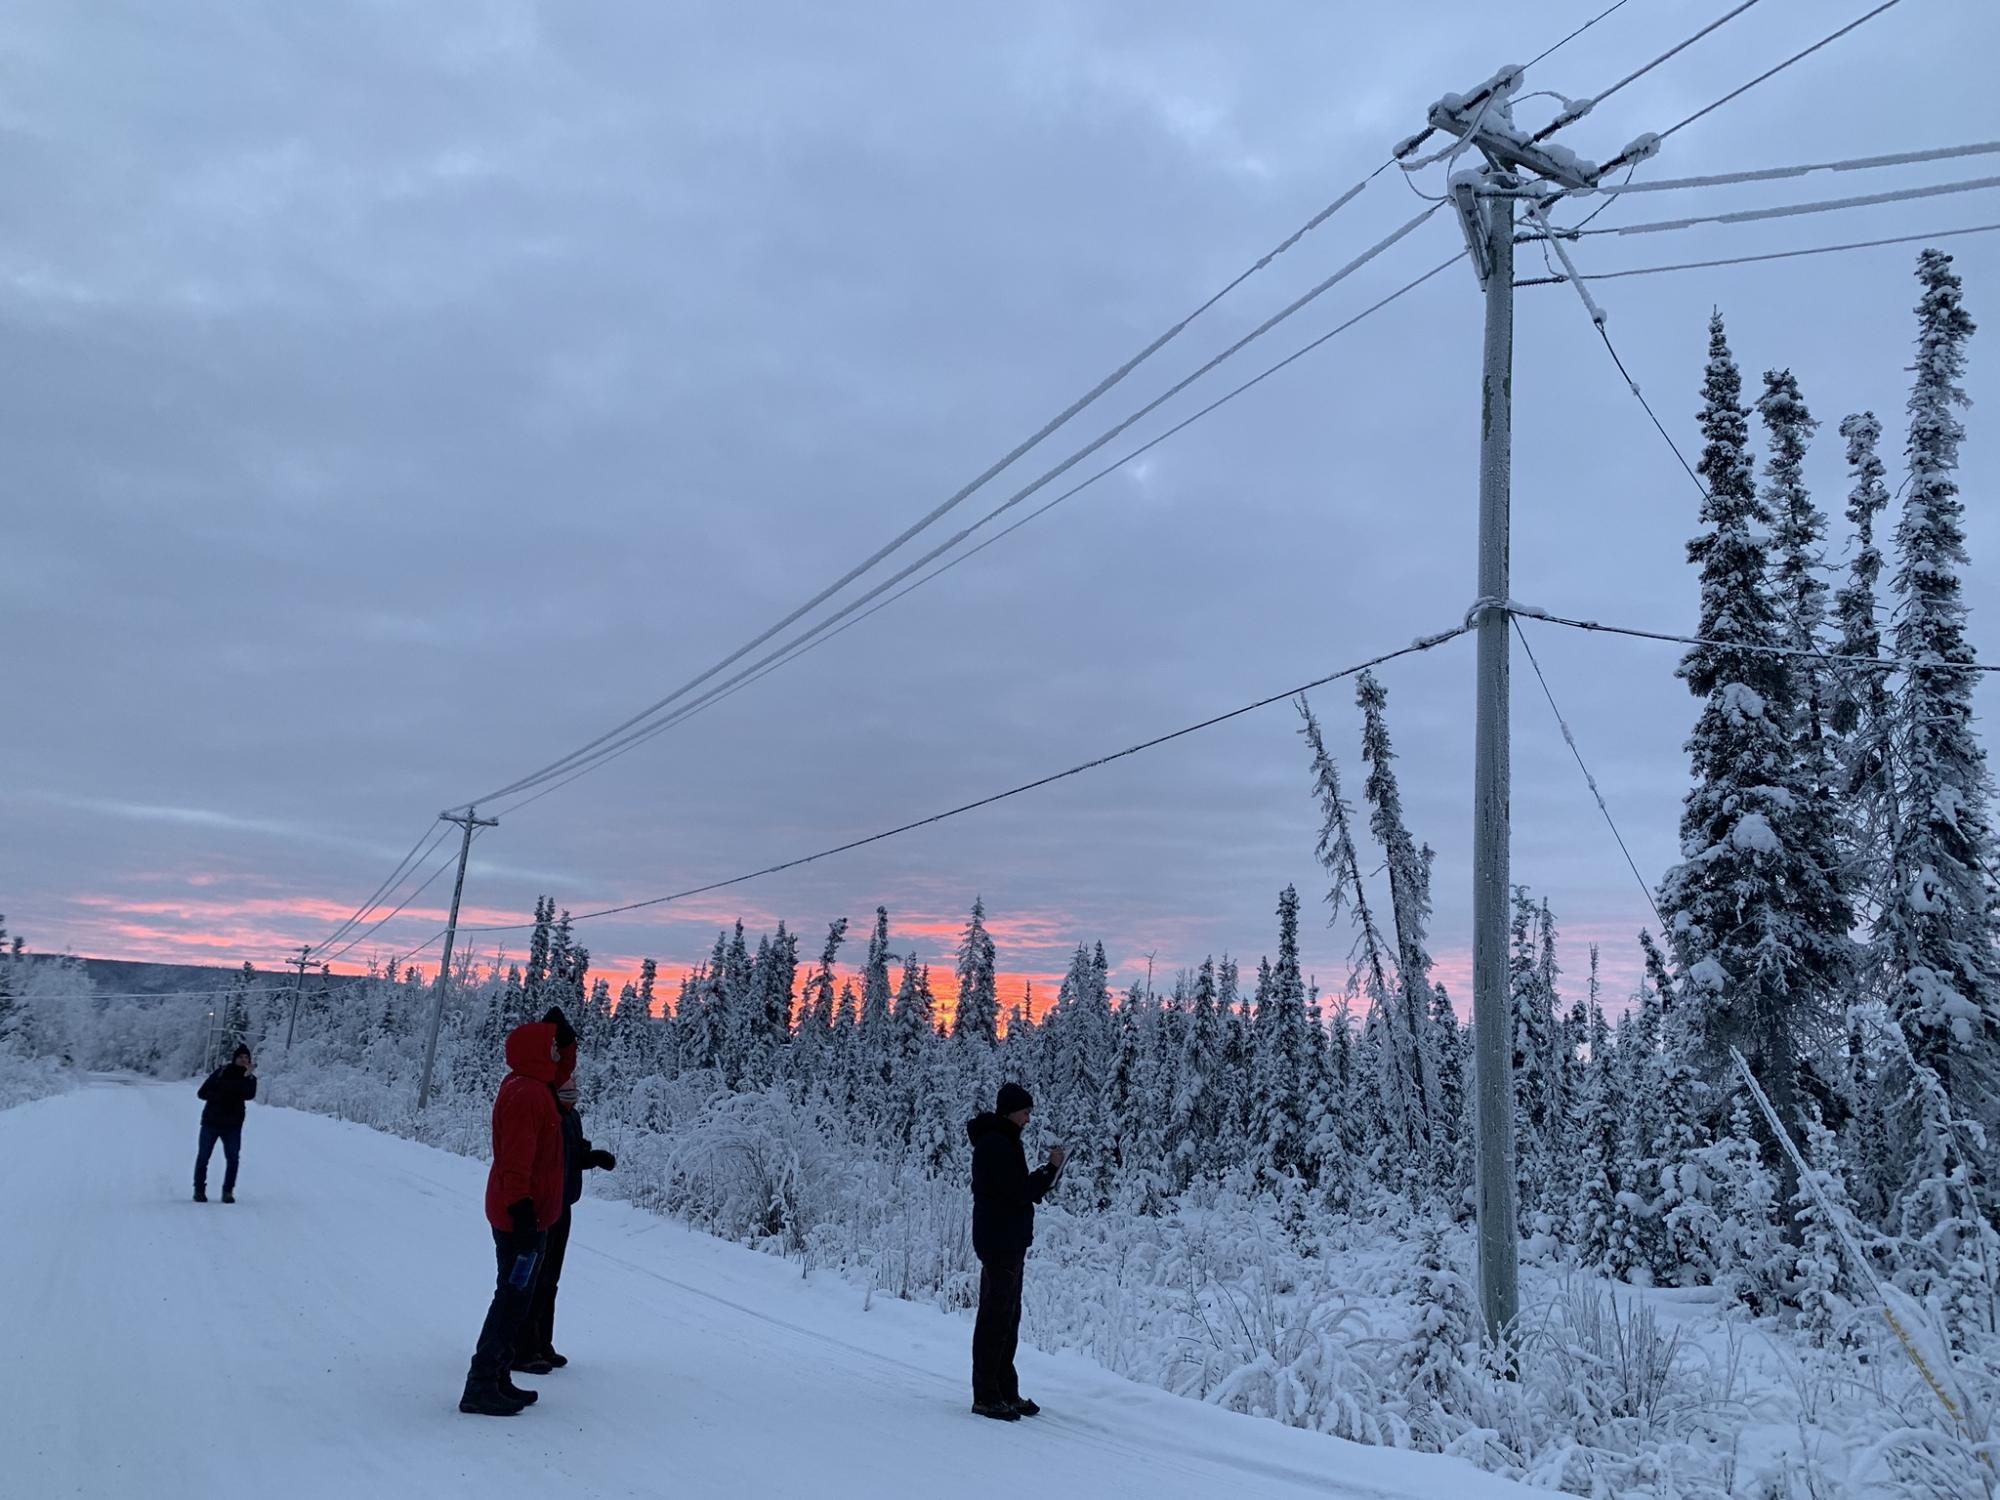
<point>1004,1195</point>
<point>225,1093</point>
<point>537,1354</point>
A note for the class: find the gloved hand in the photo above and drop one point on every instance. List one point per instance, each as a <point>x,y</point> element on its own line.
<point>523,1216</point>
<point>601,1159</point>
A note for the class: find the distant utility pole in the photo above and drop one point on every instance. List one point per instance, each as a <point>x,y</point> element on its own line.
<point>467,820</point>
<point>298,985</point>
<point>1485,197</point>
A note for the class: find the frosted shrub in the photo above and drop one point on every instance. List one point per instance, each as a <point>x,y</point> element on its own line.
<point>754,1166</point>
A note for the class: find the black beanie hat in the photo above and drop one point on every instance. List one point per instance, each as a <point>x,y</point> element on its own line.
<point>565,1033</point>
<point>1012,1098</point>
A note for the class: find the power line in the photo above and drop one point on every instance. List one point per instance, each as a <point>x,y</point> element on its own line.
<point>556,767</point>
<point>1582,107</point>
<point>1569,738</point>
<point>1872,663</point>
<point>360,913</point>
<point>1745,260</point>
<point>608,746</point>
<point>1773,72</point>
<point>1550,51</point>
<point>1646,145</point>
<point>1786,210</point>
<point>811,641</point>
<point>394,912</point>
<point>1426,643</point>
<point>1768,174</point>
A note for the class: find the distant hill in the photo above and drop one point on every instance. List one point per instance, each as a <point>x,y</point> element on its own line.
<point>124,976</point>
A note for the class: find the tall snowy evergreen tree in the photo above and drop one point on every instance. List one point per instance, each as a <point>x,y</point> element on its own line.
<point>1937,927</point>
<point>1798,572</point>
<point>1282,1049</point>
<point>978,1013</point>
<point>1409,889</point>
<point>1758,925</point>
<point>1399,1070</point>
<point>875,998</point>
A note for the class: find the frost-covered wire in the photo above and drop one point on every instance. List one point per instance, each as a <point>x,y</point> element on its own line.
<point>1745,260</point>
<point>1775,174</point>
<point>1868,663</point>
<point>812,641</point>
<point>1791,210</point>
<point>1569,738</point>
<point>610,747</point>
<point>1416,647</point>
<point>375,897</point>
<point>394,912</point>
<point>563,763</point>
<point>1646,145</point>
<point>1584,106</point>
<point>1547,52</point>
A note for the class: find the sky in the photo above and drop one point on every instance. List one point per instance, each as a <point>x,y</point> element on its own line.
<point>401,396</point>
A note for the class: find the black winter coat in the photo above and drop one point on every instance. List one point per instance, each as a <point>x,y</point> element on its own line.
<point>228,1089</point>
<point>1004,1191</point>
<point>578,1156</point>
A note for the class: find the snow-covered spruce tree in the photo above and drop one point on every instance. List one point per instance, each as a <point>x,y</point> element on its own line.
<point>1451,1047</point>
<point>1724,1221</point>
<point>1821,1209</point>
<point>875,1042</point>
<point>1281,1051</point>
<point>1758,923</point>
<point>1860,712</point>
<point>1594,1211</point>
<point>978,1012</point>
<point>1538,1133</point>
<point>813,1041</point>
<point>1399,1071</point>
<point>1080,1045</point>
<point>1196,1109</point>
<point>1937,929</point>
<point>1431,1365</point>
<point>1798,576</point>
<point>1409,889</point>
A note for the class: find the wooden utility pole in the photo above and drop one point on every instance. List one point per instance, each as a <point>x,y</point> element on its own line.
<point>467,820</point>
<point>1485,201</point>
<point>298,986</point>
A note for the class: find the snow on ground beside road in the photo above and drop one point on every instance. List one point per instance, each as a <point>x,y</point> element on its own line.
<point>314,1336</point>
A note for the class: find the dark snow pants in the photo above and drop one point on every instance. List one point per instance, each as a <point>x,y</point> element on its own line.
<point>540,1334</point>
<point>997,1333</point>
<point>500,1334</point>
<point>231,1137</point>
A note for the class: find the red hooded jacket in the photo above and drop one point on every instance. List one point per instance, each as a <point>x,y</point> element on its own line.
<point>527,1127</point>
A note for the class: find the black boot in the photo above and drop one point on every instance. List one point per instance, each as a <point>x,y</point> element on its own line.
<point>1026,1407</point>
<point>485,1399</point>
<point>533,1364</point>
<point>999,1411</point>
<point>201,1195</point>
<point>228,1197</point>
<point>554,1358</point>
<point>515,1394</point>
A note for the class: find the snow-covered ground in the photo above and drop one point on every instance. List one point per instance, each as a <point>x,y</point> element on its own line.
<point>310,1341</point>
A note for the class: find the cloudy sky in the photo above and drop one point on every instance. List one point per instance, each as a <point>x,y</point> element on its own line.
<point>400,395</point>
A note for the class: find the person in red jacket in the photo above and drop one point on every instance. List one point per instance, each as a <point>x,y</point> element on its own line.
<point>524,1197</point>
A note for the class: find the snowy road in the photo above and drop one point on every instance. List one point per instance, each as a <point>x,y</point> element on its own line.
<point>310,1341</point>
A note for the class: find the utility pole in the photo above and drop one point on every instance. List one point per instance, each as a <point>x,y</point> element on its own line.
<point>1485,202</point>
<point>298,985</point>
<point>467,820</point>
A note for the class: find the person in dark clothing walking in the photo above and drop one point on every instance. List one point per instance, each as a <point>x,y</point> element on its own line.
<point>524,1198</point>
<point>537,1353</point>
<point>1004,1195</point>
<point>224,1094</point>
